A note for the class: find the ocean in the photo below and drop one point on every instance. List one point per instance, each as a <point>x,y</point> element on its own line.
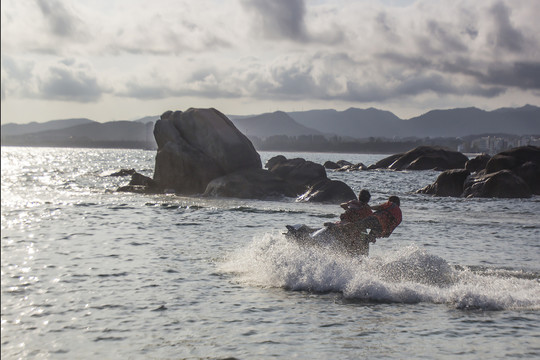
<point>88,272</point>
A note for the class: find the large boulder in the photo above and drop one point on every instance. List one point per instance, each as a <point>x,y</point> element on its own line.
<point>430,158</point>
<point>500,184</point>
<point>510,174</point>
<point>478,163</point>
<point>524,161</point>
<point>331,165</point>
<point>299,172</point>
<point>423,158</point>
<point>448,183</point>
<point>329,191</point>
<point>513,158</point>
<point>309,180</point>
<point>197,146</point>
<point>250,184</point>
<point>385,162</point>
<point>530,173</point>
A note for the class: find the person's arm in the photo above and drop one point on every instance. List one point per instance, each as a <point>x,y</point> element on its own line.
<point>344,206</point>
<point>377,207</point>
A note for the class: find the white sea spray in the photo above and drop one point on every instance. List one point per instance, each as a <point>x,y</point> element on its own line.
<point>408,275</point>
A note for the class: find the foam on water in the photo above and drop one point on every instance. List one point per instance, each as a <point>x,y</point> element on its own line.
<point>407,275</point>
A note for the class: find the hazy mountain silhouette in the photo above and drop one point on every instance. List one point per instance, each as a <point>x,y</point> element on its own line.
<point>93,134</point>
<point>276,123</point>
<point>356,123</point>
<point>33,127</point>
<point>147,119</point>
<point>468,121</point>
<point>351,123</point>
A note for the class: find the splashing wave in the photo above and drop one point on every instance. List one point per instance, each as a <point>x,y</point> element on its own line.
<point>408,275</point>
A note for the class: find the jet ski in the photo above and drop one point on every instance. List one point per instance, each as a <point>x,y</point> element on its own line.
<point>339,237</point>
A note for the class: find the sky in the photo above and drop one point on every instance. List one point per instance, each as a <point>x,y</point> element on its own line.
<point>126,59</point>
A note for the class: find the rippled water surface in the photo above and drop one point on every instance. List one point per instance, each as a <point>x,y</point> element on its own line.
<point>88,272</point>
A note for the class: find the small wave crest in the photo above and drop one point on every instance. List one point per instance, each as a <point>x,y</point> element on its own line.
<point>407,275</point>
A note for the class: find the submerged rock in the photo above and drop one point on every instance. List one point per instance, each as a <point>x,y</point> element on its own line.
<point>141,184</point>
<point>331,165</point>
<point>124,172</point>
<point>353,167</point>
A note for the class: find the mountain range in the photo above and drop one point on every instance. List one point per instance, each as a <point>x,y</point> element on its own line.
<point>365,123</point>
<point>352,123</point>
<point>80,133</point>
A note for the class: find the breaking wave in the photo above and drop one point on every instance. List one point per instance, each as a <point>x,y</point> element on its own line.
<point>408,275</point>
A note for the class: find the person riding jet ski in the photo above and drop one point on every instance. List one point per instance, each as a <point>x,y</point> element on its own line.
<point>383,221</point>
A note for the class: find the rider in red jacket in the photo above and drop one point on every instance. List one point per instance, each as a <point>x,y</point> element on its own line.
<point>384,220</point>
<point>356,210</point>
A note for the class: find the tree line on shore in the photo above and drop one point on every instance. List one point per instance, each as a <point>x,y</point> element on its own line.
<point>320,143</point>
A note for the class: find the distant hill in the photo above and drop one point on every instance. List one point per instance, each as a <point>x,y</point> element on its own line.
<point>349,124</point>
<point>121,134</point>
<point>469,121</point>
<point>277,123</point>
<point>147,119</point>
<point>356,123</point>
<point>33,127</point>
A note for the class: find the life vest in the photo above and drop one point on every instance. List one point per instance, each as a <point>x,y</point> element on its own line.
<point>389,217</point>
<point>356,210</point>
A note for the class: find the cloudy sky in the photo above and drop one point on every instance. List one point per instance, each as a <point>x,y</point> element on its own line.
<point>125,59</point>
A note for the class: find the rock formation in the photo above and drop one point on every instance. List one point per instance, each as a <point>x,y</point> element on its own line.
<point>197,146</point>
<point>424,158</point>
<point>299,172</point>
<point>326,190</point>
<point>500,184</point>
<point>448,183</point>
<point>250,184</point>
<point>309,180</point>
<point>478,163</point>
<point>200,151</point>
<point>510,174</point>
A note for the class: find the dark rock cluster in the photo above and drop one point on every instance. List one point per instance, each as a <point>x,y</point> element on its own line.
<point>423,158</point>
<point>510,174</point>
<point>200,151</point>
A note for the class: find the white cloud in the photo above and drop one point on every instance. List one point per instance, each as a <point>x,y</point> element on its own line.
<point>360,53</point>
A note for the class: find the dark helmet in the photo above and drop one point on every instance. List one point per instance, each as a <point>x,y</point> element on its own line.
<point>394,199</point>
<point>364,196</point>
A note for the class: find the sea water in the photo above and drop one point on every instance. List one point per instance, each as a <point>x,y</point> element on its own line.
<point>88,272</point>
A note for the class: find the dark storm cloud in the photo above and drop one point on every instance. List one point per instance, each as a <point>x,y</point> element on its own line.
<point>70,85</point>
<point>506,36</point>
<point>445,38</point>
<point>279,19</point>
<point>523,75</point>
<point>61,21</point>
